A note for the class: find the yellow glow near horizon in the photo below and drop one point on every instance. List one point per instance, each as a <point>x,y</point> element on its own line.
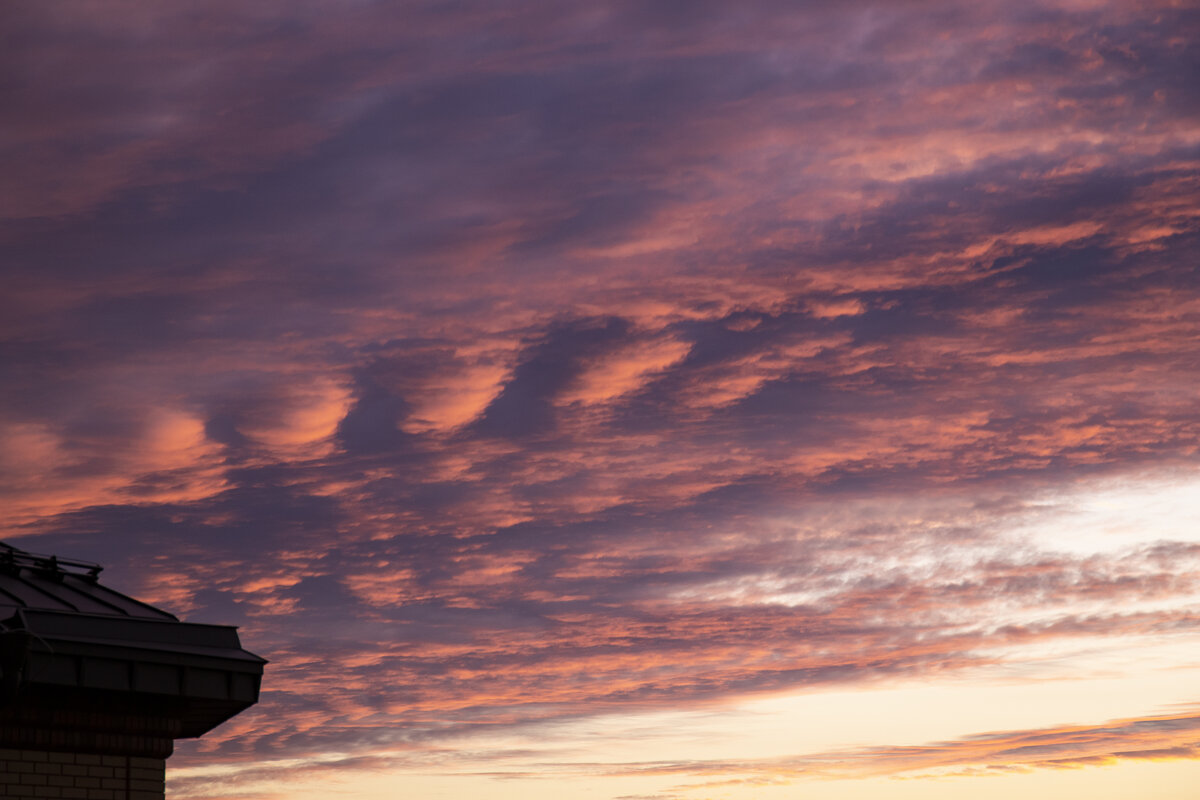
<point>1084,680</point>
<point>1175,780</point>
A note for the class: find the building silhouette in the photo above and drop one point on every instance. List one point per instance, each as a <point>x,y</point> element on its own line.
<point>95,686</point>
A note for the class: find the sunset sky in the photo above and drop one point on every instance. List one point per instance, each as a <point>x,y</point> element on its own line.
<point>649,400</point>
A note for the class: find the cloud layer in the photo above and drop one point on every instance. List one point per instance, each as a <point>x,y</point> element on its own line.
<point>495,363</point>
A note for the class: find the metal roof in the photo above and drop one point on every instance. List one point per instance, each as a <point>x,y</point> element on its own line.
<point>68,643</point>
<point>48,583</point>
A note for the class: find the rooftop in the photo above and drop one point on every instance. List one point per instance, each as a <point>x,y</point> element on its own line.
<point>48,583</point>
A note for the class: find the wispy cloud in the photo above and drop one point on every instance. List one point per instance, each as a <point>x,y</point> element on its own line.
<point>1163,737</point>
<point>491,364</point>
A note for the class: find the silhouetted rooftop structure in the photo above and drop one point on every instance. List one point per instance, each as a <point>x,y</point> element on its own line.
<point>48,583</point>
<point>87,669</point>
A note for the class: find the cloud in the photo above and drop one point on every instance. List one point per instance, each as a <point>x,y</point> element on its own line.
<point>525,404</point>
<point>623,357</point>
<point>1163,737</point>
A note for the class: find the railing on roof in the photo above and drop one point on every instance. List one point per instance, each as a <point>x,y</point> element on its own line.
<point>13,560</point>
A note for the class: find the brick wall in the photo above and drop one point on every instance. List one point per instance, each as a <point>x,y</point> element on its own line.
<point>38,774</point>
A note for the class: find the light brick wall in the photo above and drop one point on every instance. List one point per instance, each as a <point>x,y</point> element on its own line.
<point>38,774</point>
